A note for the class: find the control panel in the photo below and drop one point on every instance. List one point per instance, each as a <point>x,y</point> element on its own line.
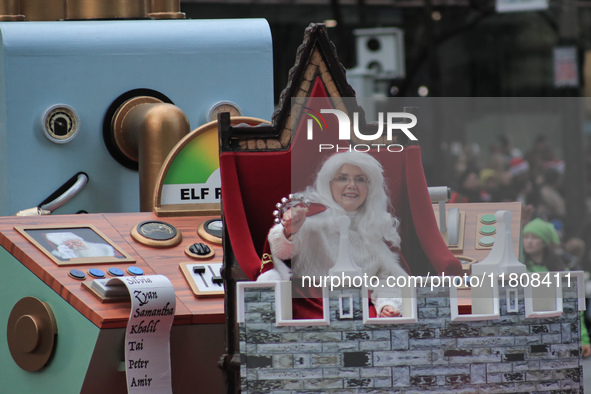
<point>67,264</point>
<point>473,228</point>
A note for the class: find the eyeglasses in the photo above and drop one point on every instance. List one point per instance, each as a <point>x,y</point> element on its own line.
<point>345,180</point>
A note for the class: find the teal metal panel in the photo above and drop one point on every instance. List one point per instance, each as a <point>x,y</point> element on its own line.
<point>3,157</point>
<point>76,336</point>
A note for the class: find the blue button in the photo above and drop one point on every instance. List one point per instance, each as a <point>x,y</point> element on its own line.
<point>77,274</point>
<point>96,273</point>
<point>116,271</point>
<point>135,271</point>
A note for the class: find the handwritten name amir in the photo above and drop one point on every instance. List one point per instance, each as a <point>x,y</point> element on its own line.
<point>145,382</point>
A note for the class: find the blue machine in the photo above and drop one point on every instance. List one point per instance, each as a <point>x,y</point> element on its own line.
<point>60,85</point>
<point>84,67</point>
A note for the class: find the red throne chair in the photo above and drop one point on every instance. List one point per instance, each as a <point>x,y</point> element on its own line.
<point>256,172</point>
<point>253,182</point>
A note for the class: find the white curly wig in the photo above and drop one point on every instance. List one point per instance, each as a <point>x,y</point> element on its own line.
<point>373,217</point>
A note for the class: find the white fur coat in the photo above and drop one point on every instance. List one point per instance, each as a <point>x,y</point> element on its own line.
<point>314,250</point>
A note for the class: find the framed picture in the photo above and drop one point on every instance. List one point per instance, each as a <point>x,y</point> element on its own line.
<point>73,244</point>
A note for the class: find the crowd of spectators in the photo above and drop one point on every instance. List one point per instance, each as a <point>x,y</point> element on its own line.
<point>534,178</point>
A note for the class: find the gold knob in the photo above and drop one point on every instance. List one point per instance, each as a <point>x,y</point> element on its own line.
<point>31,333</point>
<point>27,330</point>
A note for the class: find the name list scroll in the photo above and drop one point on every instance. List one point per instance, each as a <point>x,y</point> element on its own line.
<point>147,337</point>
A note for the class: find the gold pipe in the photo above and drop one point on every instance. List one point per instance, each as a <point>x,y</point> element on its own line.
<point>165,9</point>
<point>43,10</point>
<point>146,130</point>
<point>9,7</point>
<point>105,9</point>
<point>10,12</point>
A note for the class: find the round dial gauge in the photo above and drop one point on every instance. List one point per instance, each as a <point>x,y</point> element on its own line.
<point>211,230</point>
<point>223,106</point>
<point>157,230</point>
<point>215,227</point>
<point>60,123</point>
<point>156,233</point>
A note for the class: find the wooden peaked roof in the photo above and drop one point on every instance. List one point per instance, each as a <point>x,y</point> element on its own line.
<point>317,72</point>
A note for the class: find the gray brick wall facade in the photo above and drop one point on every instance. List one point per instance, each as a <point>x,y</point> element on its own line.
<point>510,354</point>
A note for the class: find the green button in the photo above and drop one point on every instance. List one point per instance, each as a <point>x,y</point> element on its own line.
<point>486,241</point>
<point>488,219</point>
<point>488,230</point>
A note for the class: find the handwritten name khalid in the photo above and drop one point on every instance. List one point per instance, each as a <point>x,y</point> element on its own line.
<point>144,328</point>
